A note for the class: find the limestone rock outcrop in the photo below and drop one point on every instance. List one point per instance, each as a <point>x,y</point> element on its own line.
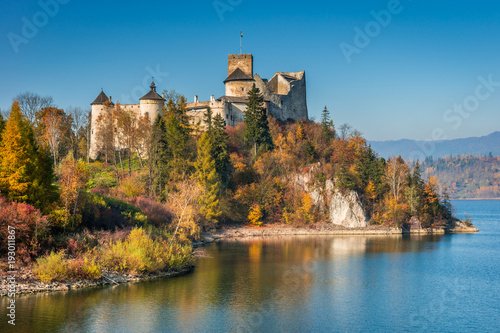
<point>344,209</point>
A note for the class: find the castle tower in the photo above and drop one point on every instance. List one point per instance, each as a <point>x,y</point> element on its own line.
<point>99,106</point>
<point>240,75</point>
<point>151,104</point>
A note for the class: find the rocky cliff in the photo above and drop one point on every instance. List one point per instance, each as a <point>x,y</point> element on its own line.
<point>344,209</point>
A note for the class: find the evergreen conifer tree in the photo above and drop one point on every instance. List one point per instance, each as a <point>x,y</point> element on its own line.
<point>327,125</point>
<point>220,149</point>
<point>177,130</point>
<point>257,130</point>
<point>158,161</point>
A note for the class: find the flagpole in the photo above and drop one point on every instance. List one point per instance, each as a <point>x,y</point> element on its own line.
<point>241,35</point>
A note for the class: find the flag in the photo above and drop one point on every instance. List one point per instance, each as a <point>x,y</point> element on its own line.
<point>241,34</point>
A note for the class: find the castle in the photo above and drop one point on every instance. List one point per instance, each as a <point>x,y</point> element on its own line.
<point>284,95</point>
<point>284,98</point>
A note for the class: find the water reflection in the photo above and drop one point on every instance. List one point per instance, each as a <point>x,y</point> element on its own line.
<point>243,283</point>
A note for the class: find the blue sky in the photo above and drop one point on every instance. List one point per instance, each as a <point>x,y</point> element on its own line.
<point>411,81</point>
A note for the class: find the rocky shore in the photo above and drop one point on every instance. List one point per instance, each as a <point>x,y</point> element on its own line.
<point>328,229</point>
<point>26,283</point>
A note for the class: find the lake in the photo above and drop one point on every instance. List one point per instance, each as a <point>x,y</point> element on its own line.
<point>447,283</point>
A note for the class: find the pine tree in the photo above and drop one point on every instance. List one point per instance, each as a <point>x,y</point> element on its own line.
<point>178,129</point>
<point>158,159</point>
<point>344,179</point>
<point>44,191</point>
<point>415,189</point>
<point>208,119</point>
<point>367,169</point>
<point>257,130</point>
<point>327,125</point>
<point>220,149</point>
<point>208,179</point>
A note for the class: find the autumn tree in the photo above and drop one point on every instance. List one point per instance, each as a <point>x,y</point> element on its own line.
<point>26,170</point>
<point>52,127</point>
<point>31,103</point>
<point>396,177</point>
<point>345,131</point>
<point>83,138</point>
<point>208,179</point>
<point>257,131</point>
<point>255,215</point>
<point>77,132</point>
<point>17,154</point>
<point>73,176</point>
<point>430,202</point>
<point>396,174</point>
<point>183,203</point>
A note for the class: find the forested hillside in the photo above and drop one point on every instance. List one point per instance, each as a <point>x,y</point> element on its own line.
<point>467,176</point>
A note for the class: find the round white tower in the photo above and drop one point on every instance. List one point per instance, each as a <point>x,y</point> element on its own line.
<point>99,106</point>
<point>152,104</point>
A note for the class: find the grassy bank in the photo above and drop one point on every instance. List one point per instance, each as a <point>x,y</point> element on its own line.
<point>142,251</point>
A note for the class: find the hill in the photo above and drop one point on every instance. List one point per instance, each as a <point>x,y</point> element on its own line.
<point>466,177</point>
<point>419,150</point>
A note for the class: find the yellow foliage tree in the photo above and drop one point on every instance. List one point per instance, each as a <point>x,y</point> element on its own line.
<point>255,216</point>
<point>300,132</point>
<point>26,173</point>
<point>73,176</point>
<point>305,210</point>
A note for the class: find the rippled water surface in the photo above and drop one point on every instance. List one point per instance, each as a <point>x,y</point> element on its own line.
<point>444,283</point>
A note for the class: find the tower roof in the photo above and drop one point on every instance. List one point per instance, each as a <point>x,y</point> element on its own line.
<point>238,75</point>
<point>152,94</point>
<point>101,99</point>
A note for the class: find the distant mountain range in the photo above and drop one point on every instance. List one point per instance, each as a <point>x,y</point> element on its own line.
<point>419,150</point>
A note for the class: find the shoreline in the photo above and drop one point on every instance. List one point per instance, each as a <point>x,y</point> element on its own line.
<point>475,199</point>
<point>326,229</point>
<point>28,285</point>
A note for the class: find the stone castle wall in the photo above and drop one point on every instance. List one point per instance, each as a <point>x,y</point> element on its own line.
<point>241,61</point>
<point>238,88</point>
<point>286,100</point>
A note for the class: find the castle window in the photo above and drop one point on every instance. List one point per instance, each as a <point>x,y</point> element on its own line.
<point>242,89</point>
